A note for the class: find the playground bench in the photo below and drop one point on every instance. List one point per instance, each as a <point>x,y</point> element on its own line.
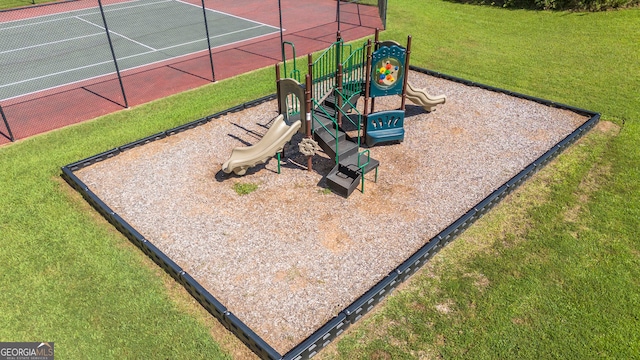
<point>385,126</point>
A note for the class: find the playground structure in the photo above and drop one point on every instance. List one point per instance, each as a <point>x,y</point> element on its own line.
<point>324,109</point>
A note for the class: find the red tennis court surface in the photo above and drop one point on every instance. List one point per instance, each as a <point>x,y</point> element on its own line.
<point>311,26</point>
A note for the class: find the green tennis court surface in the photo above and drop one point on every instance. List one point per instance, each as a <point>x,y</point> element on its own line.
<point>54,50</point>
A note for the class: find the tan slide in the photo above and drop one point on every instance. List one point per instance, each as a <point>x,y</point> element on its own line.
<point>242,158</point>
<point>421,98</point>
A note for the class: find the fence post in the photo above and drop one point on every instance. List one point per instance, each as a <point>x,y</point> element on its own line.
<point>281,36</point>
<point>113,53</point>
<point>206,29</point>
<point>382,11</point>
<point>6,123</point>
<point>338,13</point>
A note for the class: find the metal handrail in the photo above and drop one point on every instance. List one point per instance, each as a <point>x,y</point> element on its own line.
<point>316,106</point>
<point>345,100</point>
<point>295,73</point>
<point>353,70</point>
<point>362,166</point>
<point>324,70</point>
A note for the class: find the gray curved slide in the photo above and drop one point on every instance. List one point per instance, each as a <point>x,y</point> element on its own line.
<point>421,98</point>
<point>242,158</point>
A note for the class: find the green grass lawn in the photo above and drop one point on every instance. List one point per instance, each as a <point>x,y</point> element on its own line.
<point>551,272</point>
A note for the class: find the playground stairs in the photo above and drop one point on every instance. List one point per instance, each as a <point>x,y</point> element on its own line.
<point>346,175</point>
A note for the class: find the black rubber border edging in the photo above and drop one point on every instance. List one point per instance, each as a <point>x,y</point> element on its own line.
<point>208,301</point>
<point>365,303</point>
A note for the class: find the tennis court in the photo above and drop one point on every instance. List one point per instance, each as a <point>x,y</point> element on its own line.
<point>54,50</point>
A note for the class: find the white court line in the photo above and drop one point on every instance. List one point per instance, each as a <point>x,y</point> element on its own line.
<point>35,23</point>
<point>115,33</point>
<point>54,74</point>
<point>213,37</point>
<point>72,11</point>
<point>231,15</point>
<point>126,7</point>
<point>88,22</point>
<point>113,72</point>
<point>50,43</point>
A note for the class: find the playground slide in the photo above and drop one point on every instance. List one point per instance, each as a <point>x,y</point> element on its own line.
<point>421,98</point>
<point>242,158</point>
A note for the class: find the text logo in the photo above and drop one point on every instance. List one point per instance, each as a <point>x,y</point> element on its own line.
<point>26,351</point>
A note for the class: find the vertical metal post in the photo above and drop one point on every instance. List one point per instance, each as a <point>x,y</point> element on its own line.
<point>278,89</point>
<point>113,53</point>
<point>367,85</point>
<point>310,72</point>
<point>6,123</point>
<point>406,73</point>
<point>284,112</point>
<point>382,11</point>
<point>338,49</point>
<point>377,39</point>
<point>206,29</point>
<point>338,13</point>
<point>338,96</point>
<point>282,37</point>
<point>307,96</point>
<point>376,45</point>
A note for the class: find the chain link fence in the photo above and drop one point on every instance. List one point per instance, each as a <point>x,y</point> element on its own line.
<point>64,62</point>
<point>76,54</point>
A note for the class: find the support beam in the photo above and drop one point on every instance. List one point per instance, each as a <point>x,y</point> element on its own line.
<point>307,96</point>
<point>6,123</point>
<point>113,53</point>
<point>406,73</point>
<point>206,30</point>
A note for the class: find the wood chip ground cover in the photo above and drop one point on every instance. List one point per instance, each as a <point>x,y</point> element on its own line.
<point>288,256</point>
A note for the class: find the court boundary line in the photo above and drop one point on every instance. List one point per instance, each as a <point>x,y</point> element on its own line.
<point>227,14</point>
<point>49,43</point>
<point>71,11</point>
<point>115,33</point>
<point>121,8</point>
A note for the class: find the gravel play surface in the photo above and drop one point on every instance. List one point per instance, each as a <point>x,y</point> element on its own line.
<point>290,256</point>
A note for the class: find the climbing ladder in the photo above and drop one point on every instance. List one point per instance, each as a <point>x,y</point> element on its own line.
<point>338,82</point>
<point>351,163</point>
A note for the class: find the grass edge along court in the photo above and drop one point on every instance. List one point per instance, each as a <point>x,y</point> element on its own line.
<point>570,231</point>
